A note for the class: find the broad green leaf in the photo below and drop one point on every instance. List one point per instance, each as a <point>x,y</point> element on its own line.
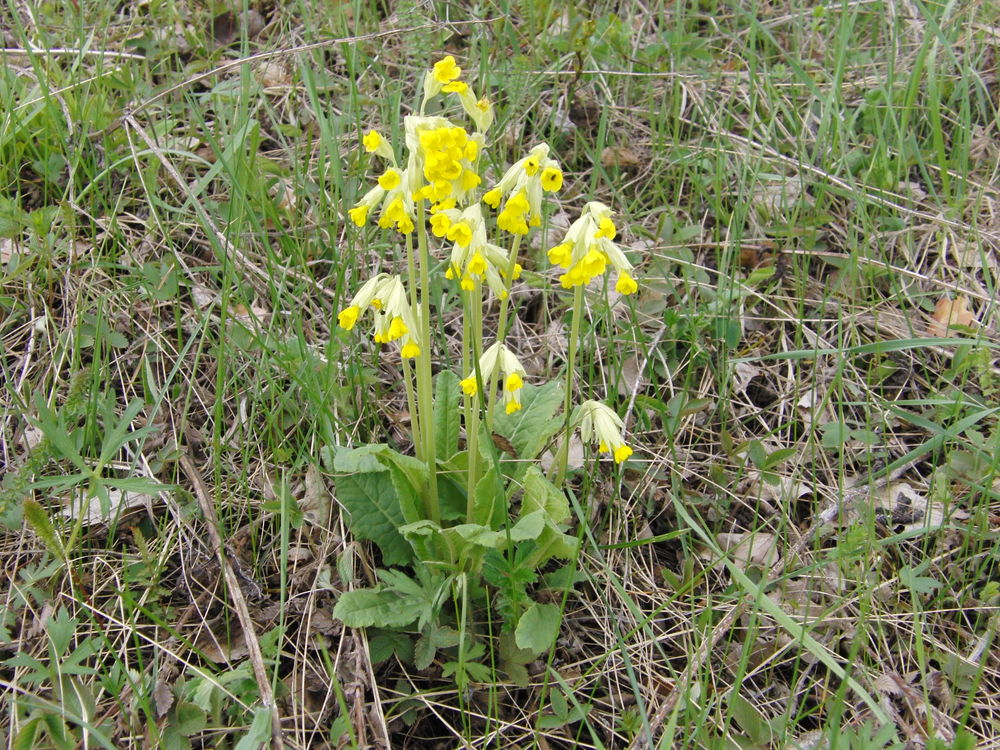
<point>452,496</point>
<point>414,470</point>
<point>490,505</point>
<point>188,718</point>
<point>538,627</point>
<point>541,494</point>
<point>366,608</point>
<point>427,646</point>
<point>362,459</point>
<point>530,429</point>
<point>477,534</point>
<point>374,510</point>
<point>529,527</point>
<point>554,543</point>
<point>410,504</point>
<point>446,414</point>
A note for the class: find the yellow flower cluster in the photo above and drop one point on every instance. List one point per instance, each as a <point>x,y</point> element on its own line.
<point>510,370</point>
<point>524,183</point>
<point>473,259</point>
<point>588,248</point>
<point>446,155</point>
<point>394,318</point>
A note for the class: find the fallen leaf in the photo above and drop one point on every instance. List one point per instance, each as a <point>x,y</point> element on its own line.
<point>746,548</point>
<point>950,312</point>
<point>273,74</point>
<point>121,503</point>
<point>315,503</point>
<point>224,648</point>
<point>226,26</point>
<point>631,380</point>
<point>163,698</point>
<point>621,157</point>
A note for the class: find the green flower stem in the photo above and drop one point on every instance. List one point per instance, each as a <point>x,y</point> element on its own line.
<point>415,425</point>
<point>502,326</point>
<point>574,337</point>
<point>474,313</point>
<point>425,388</point>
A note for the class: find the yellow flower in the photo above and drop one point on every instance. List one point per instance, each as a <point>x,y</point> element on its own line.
<point>477,265</point>
<point>606,229</point>
<point>531,165</point>
<point>588,249</point>
<point>460,233</point>
<point>347,317</point>
<point>492,198</point>
<point>439,224</point>
<point>389,180</point>
<point>446,70</point>
<point>498,356</point>
<point>560,255</point>
<point>626,284</point>
<point>409,350</point>
<point>552,179</point>
<point>359,215</point>
<point>455,87</point>
<point>372,141</point>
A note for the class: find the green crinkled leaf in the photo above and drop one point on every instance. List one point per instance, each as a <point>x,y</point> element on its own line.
<point>360,460</point>
<point>530,429</point>
<point>446,414</point>
<point>375,514</point>
<point>490,505</point>
<point>452,496</point>
<point>541,494</point>
<point>554,543</point>
<point>366,608</point>
<point>529,527</point>
<point>409,478</point>
<point>538,627</point>
<point>477,534</point>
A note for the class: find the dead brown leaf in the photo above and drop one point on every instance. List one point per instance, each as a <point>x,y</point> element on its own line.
<point>950,312</point>
<point>163,698</point>
<point>621,157</point>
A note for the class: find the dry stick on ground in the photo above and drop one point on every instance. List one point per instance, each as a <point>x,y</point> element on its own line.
<point>239,602</point>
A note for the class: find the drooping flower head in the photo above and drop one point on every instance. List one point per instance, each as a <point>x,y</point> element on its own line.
<point>588,248</point>
<point>498,358</point>
<point>394,318</point>
<point>600,424</point>
<point>522,185</point>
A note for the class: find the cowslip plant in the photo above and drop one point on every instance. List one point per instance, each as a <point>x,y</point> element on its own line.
<point>463,532</point>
